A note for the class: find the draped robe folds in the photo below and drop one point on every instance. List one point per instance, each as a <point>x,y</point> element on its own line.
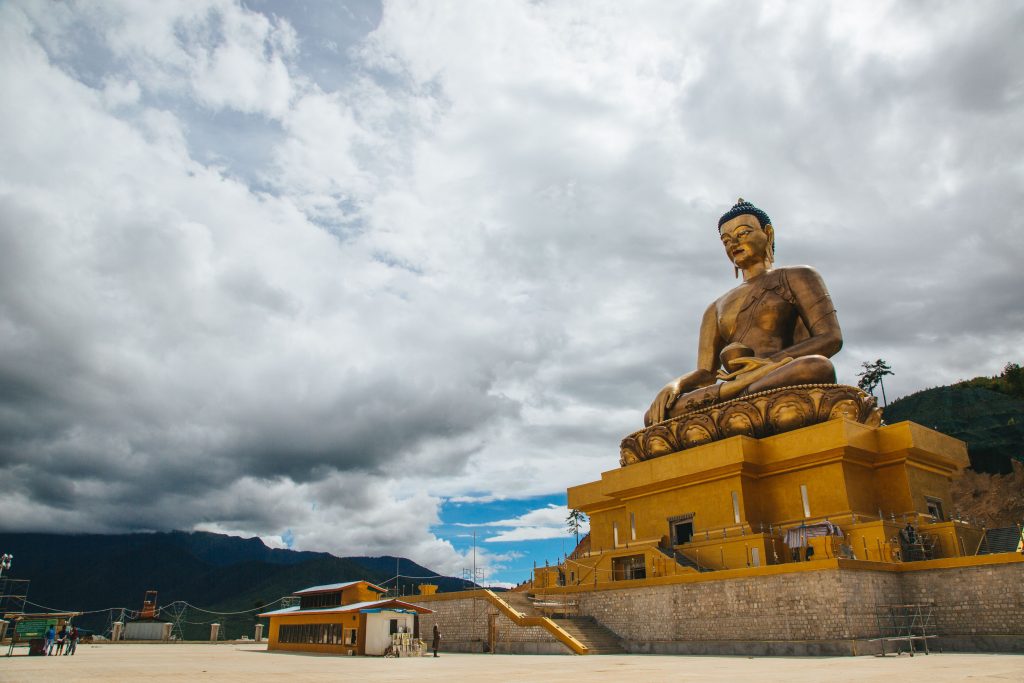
<point>785,313</point>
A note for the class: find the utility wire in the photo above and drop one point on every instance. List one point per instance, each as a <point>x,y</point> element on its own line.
<point>54,609</point>
<point>200,609</point>
<point>132,613</point>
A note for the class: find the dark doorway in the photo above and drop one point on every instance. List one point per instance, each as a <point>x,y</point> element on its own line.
<point>394,626</point>
<point>682,532</point>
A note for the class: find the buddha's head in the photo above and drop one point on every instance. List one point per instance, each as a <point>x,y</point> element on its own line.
<point>747,235</point>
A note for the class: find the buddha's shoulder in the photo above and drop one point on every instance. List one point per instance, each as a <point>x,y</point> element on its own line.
<point>798,273</point>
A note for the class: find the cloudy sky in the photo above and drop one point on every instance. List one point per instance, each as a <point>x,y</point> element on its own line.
<point>374,279</point>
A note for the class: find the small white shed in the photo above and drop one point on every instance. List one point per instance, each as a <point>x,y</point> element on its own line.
<point>381,623</point>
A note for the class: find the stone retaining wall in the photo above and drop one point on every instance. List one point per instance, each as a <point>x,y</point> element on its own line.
<point>825,612</point>
<point>978,609</point>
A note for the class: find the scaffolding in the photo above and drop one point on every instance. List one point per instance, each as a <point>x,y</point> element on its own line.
<point>13,595</point>
<point>905,624</point>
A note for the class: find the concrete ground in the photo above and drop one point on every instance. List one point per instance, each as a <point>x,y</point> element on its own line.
<point>190,661</point>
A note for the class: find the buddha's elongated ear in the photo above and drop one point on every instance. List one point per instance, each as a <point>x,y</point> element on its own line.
<point>769,252</point>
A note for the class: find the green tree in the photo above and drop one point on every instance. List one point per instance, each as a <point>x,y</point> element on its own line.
<point>1013,378</point>
<point>576,520</point>
<point>872,375</point>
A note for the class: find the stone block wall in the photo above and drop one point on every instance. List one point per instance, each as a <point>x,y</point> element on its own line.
<point>975,608</point>
<point>816,612</point>
<point>823,612</point>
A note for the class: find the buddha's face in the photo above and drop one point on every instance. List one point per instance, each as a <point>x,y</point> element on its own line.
<point>745,241</point>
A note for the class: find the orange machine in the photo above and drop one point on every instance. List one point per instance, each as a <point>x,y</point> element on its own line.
<point>148,610</point>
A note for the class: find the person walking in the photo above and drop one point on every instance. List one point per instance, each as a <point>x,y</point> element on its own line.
<point>72,641</point>
<point>48,639</point>
<point>62,636</point>
<point>436,643</point>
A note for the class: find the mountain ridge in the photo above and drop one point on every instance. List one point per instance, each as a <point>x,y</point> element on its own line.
<point>216,572</point>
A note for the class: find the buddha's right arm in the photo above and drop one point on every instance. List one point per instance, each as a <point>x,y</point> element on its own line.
<point>710,345</point>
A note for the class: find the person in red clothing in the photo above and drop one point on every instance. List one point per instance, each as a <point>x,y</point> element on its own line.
<point>72,641</point>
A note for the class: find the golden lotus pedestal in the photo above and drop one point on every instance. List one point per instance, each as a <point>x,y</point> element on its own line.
<point>757,415</point>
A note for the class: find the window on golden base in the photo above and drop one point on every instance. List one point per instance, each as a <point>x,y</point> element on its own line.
<point>629,567</point>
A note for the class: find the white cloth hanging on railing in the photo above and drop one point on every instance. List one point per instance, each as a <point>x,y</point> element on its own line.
<point>798,535</point>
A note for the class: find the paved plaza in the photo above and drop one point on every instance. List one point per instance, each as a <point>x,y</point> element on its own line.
<point>133,662</point>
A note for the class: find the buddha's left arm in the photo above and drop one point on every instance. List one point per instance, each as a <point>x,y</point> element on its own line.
<point>817,313</point>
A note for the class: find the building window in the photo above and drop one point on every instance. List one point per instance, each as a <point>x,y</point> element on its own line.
<point>350,636</point>
<point>735,507</point>
<point>318,634</point>
<point>632,525</point>
<point>615,534</point>
<point>332,599</point>
<point>629,567</point>
<point>803,497</point>
<point>935,508</point>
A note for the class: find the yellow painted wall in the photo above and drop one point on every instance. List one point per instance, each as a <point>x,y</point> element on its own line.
<point>860,487</point>
<point>360,592</point>
<point>347,620</point>
<point>928,483</point>
<point>711,503</point>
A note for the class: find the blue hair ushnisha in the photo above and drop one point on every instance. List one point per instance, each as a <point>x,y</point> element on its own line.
<point>742,207</point>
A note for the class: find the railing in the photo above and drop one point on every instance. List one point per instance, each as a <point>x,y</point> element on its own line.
<point>520,619</point>
<point>1000,540</point>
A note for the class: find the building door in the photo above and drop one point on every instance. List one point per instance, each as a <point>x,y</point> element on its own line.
<point>492,632</point>
<point>682,532</point>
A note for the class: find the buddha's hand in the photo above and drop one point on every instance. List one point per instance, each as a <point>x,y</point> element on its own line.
<point>741,366</point>
<point>664,400</point>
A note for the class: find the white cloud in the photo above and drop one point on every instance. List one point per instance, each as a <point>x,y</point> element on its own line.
<point>546,516</point>
<point>541,523</point>
<point>461,271</point>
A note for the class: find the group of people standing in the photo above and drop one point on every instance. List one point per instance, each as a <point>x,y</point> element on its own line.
<point>65,640</point>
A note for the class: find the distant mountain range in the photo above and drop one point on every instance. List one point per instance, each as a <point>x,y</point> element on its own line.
<point>212,571</point>
<point>992,423</point>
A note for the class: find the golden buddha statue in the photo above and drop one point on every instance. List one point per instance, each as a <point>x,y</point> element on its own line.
<point>776,329</point>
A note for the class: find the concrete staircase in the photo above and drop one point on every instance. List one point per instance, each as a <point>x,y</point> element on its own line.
<point>598,639</point>
<point>520,602</point>
<point>682,560</point>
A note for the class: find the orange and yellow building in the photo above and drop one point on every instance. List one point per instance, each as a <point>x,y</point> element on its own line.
<point>342,618</point>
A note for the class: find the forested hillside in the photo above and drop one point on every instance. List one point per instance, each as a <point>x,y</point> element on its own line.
<point>212,571</point>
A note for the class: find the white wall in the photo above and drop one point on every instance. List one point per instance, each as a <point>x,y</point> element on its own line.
<point>145,630</point>
<point>378,629</point>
